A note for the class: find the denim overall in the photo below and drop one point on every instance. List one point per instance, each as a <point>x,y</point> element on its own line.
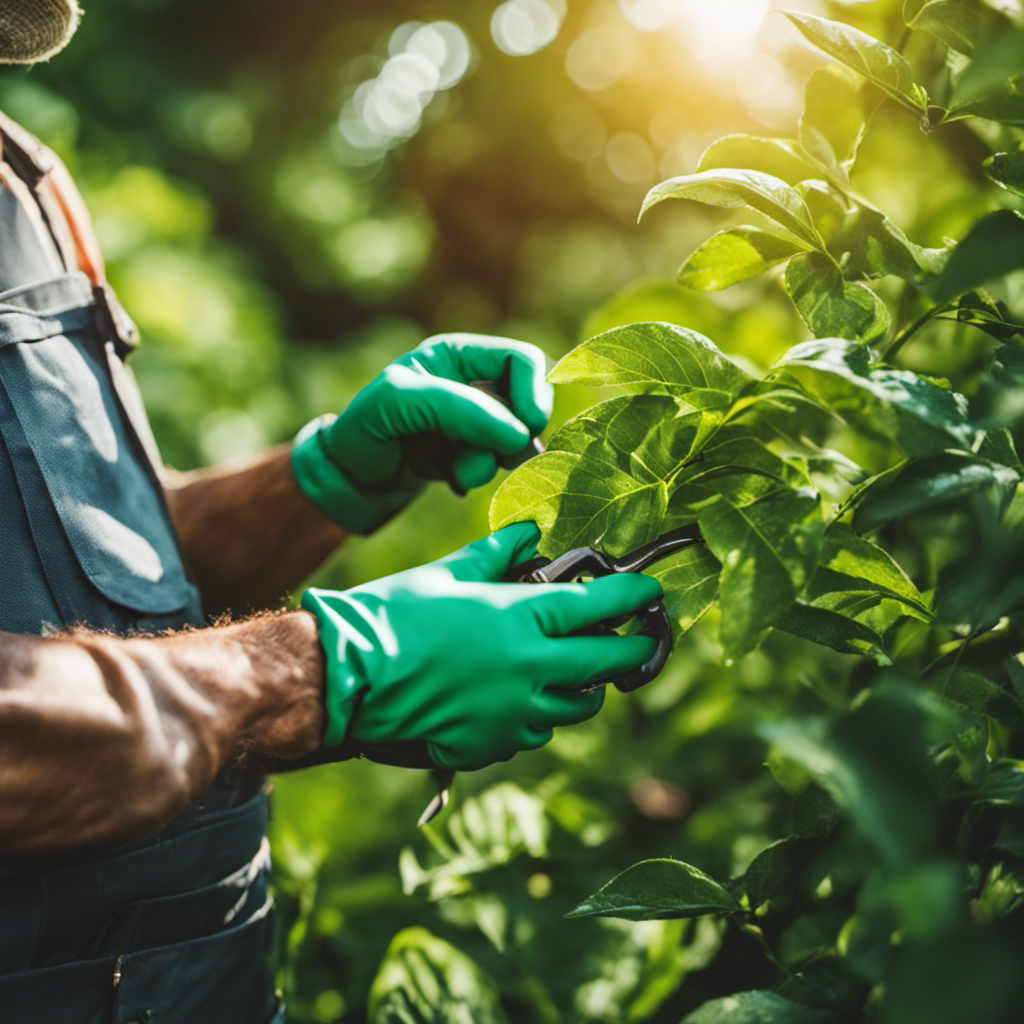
<point>173,928</point>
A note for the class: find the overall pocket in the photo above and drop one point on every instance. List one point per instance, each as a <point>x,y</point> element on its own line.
<point>66,435</point>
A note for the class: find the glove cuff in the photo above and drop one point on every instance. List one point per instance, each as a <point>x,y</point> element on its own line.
<point>354,507</point>
<point>344,690</point>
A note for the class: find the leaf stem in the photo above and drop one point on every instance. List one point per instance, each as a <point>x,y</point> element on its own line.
<point>904,336</point>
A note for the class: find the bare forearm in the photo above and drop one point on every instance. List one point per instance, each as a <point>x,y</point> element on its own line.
<point>103,739</point>
<point>248,533</point>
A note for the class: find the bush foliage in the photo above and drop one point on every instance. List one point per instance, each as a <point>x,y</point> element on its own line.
<point>816,814</point>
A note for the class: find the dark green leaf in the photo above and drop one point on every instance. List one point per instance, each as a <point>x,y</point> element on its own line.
<point>1004,784</point>
<point>756,1007</point>
<point>833,115</point>
<point>930,480</point>
<point>830,306</point>
<point>1007,169</point>
<point>838,630</point>
<point>826,983</point>
<point>656,356</point>
<point>782,869</point>
<point>992,248</point>
<point>425,980</point>
<point>732,188</point>
<point>868,56</point>
<point>656,889</point>
<point>890,404</point>
<point>733,256</point>
<point>874,761</point>
<point>815,813</point>
<point>973,691</point>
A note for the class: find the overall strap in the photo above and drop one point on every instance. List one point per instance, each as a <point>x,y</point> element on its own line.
<point>66,215</point>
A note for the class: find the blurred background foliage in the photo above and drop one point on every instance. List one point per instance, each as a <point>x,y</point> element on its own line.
<point>290,196</point>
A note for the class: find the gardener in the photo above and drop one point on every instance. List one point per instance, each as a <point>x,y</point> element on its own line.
<point>132,807</point>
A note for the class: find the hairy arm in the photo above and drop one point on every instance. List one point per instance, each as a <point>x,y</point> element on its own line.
<point>248,533</point>
<point>103,739</point>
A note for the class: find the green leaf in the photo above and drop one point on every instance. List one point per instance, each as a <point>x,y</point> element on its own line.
<point>858,558</point>
<point>834,629</point>
<point>815,813</point>
<point>930,480</point>
<point>978,589</point>
<point>833,116</point>
<point>735,255</point>
<point>780,158</point>
<point>957,23</point>
<point>425,980</point>
<point>918,416</point>
<point>992,248</point>
<point>825,983</point>
<point>690,579</point>
<point>869,244</point>
<point>782,869</point>
<point>655,889</point>
<point>874,762</point>
<point>655,356</point>
<point>1005,106</point>
<point>1007,170</point>
<point>768,545</point>
<point>732,188</point>
<point>758,1006</point>
<point>997,62</point>
<point>604,477</point>
<point>868,56</point>
<point>1003,785</point>
<point>973,691</point>
<point>830,306</point>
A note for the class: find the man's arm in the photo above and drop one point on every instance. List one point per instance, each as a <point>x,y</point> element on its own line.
<point>249,535</point>
<point>103,739</point>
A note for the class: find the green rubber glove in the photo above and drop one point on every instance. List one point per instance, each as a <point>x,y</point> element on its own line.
<point>352,467</point>
<point>478,669</point>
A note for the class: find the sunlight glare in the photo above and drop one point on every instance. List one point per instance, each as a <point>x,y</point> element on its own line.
<point>722,35</point>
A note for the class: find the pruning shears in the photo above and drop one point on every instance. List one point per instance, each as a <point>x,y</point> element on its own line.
<point>588,563</point>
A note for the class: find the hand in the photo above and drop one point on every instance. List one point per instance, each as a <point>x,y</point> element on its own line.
<point>353,468</point>
<point>476,668</point>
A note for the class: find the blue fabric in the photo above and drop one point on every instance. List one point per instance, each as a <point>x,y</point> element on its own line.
<point>85,537</point>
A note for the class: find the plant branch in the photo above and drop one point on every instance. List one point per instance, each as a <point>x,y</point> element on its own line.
<point>904,336</point>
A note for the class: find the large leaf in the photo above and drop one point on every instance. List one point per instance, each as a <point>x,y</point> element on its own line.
<point>730,189</point>
<point>868,56</point>
<point>690,579</point>
<point>425,980</point>
<point>656,889</point>
<point>1007,169</point>
<point>780,158</point>
<point>975,692</point>
<point>758,1006</point>
<point>735,255</point>
<point>604,477</point>
<point>992,248</point>
<point>917,415</point>
<point>830,306</point>
<point>930,480</point>
<point>833,115</point>
<point>768,545</point>
<point>656,356</point>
